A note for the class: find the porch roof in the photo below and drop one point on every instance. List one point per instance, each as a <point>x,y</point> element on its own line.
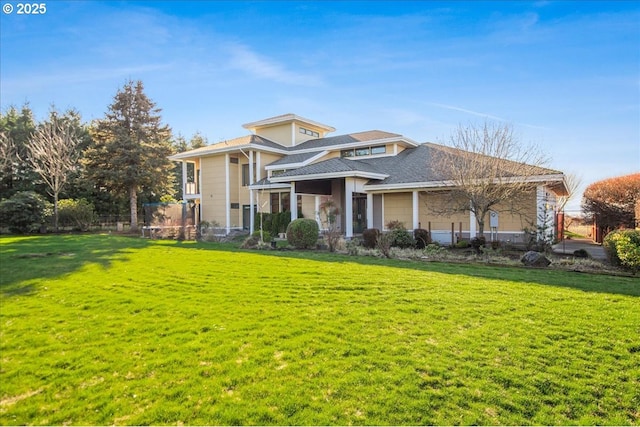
<point>332,168</point>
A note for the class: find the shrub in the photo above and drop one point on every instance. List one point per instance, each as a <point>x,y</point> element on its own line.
<point>422,238</point>
<point>462,244</point>
<point>478,242</point>
<point>303,233</point>
<point>396,225</point>
<point>384,244</point>
<point>623,248</point>
<point>401,239</point>
<point>581,253</point>
<point>370,237</point>
<point>399,236</point>
<point>266,236</point>
<point>79,214</point>
<point>24,212</point>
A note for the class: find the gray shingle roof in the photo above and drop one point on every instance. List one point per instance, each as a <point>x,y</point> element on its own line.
<point>370,135</point>
<point>335,165</point>
<point>294,158</point>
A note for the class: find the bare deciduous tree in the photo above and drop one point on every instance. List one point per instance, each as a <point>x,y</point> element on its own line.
<point>485,166</point>
<point>52,153</point>
<point>573,183</point>
<point>7,152</point>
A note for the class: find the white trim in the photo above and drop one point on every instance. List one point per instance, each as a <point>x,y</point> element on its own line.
<point>227,192</point>
<point>293,134</point>
<point>251,195</point>
<point>348,208</point>
<point>416,208</point>
<point>451,183</point>
<point>293,203</point>
<point>258,166</point>
<point>270,186</point>
<point>284,119</point>
<point>231,149</point>
<point>184,178</point>
<point>333,147</point>
<point>369,210</point>
<point>297,165</point>
<point>382,213</point>
<point>317,211</point>
<point>473,232</point>
<point>329,175</point>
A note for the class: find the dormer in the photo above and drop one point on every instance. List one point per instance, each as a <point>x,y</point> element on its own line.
<point>289,129</point>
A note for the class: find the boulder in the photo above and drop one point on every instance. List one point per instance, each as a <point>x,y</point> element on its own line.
<point>535,259</point>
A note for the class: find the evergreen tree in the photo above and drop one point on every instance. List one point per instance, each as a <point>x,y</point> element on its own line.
<point>130,149</point>
<point>16,174</point>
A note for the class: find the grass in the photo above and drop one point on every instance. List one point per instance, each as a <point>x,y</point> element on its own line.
<point>98,329</point>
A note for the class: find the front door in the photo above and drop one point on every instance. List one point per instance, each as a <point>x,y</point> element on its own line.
<point>359,212</point>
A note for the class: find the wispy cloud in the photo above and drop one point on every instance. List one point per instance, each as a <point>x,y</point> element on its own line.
<point>80,75</point>
<point>483,115</point>
<point>464,110</point>
<point>250,62</point>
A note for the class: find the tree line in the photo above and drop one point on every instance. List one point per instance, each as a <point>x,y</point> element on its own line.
<point>114,163</point>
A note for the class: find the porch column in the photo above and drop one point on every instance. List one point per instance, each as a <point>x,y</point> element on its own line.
<point>348,207</point>
<point>251,200</point>
<point>227,193</point>
<point>317,211</point>
<point>184,180</point>
<point>472,225</point>
<point>369,210</point>
<point>382,213</point>
<point>258,166</point>
<point>293,201</point>
<point>416,209</point>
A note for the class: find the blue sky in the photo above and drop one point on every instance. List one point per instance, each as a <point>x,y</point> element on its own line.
<point>566,75</point>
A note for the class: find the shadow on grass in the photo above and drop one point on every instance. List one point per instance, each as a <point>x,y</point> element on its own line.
<point>587,282</point>
<point>24,258</point>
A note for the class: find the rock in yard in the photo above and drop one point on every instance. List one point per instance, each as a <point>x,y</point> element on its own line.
<point>535,259</point>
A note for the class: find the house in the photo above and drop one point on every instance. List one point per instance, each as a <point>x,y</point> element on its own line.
<point>291,163</point>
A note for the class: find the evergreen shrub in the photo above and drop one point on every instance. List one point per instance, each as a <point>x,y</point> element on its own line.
<point>24,212</point>
<point>303,233</point>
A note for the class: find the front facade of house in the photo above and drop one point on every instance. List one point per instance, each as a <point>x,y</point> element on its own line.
<point>289,163</point>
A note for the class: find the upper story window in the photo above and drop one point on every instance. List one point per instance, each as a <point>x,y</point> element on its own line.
<point>246,180</point>
<point>309,132</point>
<point>365,151</point>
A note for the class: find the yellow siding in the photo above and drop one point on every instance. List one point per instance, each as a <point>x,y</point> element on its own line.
<point>213,190</point>
<point>309,206</point>
<point>265,159</point>
<point>430,204</point>
<point>524,217</point>
<point>398,207</point>
<point>280,134</point>
<point>302,137</point>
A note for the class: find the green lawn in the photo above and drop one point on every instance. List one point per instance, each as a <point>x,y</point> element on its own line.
<point>116,330</point>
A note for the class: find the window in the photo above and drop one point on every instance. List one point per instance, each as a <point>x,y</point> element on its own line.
<point>379,149</point>
<point>245,175</point>
<point>275,202</point>
<point>233,160</point>
<point>235,205</point>
<point>365,151</point>
<point>286,201</point>
<point>309,132</point>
